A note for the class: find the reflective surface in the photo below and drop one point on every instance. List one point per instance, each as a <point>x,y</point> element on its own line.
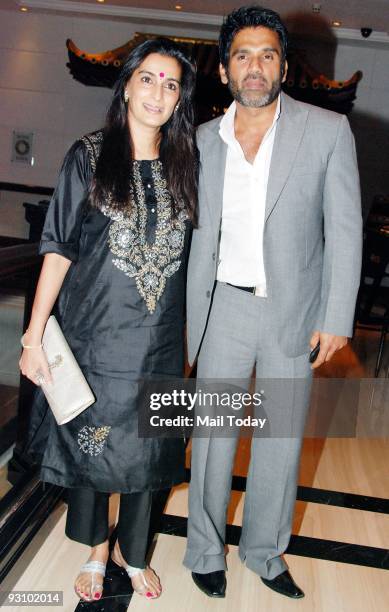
<point>21,218</point>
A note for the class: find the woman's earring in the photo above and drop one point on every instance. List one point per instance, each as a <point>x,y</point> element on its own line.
<point>177,107</point>
<point>126,96</point>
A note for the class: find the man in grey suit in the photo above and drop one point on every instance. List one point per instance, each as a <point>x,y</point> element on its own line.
<point>274,270</point>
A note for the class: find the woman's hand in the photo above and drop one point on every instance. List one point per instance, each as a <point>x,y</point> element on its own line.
<point>33,362</point>
<point>34,365</point>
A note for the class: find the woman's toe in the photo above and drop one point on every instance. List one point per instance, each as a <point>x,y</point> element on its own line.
<point>86,593</point>
<point>97,591</point>
<point>154,583</point>
<point>78,587</point>
<point>83,588</point>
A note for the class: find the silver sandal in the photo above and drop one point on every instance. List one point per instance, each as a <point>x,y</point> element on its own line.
<point>92,567</point>
<point>135,571</point>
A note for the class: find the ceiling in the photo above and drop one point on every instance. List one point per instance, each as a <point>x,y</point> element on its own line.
<point>353,14</point>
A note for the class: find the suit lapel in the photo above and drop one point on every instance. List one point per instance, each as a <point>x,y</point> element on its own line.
<point>214,165</point>
<point>290,130</point>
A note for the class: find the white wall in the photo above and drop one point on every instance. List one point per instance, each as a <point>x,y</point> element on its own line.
<point>369,118</point>
<point>37,93</point>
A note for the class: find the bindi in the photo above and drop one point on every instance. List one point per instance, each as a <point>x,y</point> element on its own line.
<point>161,74</point>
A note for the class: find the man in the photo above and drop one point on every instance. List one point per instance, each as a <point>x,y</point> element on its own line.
<point>274,269</point>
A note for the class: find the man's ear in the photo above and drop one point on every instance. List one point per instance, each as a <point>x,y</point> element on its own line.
<point>285,71</point>
<point>223,74</point>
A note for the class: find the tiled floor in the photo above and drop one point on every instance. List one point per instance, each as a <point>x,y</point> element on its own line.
<point>349,465</point>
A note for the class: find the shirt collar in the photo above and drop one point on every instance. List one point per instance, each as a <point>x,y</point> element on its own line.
<point>227,128</point>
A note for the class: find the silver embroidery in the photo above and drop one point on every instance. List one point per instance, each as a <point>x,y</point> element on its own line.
<point>149,263</point>
<point>93,144</point>
<point>91,440</point>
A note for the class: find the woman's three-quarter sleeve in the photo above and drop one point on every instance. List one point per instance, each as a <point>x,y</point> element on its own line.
<point>62,229</point>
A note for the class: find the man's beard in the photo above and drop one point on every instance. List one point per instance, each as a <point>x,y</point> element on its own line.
<point>255,99</point>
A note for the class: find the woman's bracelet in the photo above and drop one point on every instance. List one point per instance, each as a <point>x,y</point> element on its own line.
<point>27,346</point>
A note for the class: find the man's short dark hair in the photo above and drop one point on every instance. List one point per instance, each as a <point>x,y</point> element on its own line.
<point>250,17</point>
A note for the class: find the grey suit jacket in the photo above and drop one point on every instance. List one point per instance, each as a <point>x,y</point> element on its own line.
<point>313,228</point>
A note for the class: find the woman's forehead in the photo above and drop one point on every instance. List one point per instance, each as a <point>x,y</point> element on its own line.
<point>161,65</point>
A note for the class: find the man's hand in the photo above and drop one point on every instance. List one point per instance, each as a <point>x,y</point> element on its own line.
<point>329,344</point>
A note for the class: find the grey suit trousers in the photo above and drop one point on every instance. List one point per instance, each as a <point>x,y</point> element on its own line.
<point>238,338</point>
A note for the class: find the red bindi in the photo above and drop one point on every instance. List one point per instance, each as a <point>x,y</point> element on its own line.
<point>161,74</point>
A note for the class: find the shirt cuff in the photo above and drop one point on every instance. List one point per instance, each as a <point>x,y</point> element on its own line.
<point>66,249</point>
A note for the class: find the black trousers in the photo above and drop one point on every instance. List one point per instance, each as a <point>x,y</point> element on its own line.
<point>87,521</point>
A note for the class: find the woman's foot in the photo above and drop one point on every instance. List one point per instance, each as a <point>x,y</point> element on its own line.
<point>144,582</point>
<point>89,582</point>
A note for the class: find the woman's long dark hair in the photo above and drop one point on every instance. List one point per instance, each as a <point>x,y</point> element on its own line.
<point>177,152</point>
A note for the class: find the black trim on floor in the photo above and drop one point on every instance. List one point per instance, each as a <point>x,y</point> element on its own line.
<point>342,552</point>
<point>343,500</point>
<point>327,497</point>
<point>19,524</point>
<point>302,546</point>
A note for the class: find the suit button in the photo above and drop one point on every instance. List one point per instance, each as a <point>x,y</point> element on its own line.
<point>208,294</point>
<point>213,256</point>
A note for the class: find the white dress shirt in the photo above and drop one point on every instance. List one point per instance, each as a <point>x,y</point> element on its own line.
<point>243,215</point>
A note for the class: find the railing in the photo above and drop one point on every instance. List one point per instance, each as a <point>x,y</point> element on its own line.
<point>28,503</point>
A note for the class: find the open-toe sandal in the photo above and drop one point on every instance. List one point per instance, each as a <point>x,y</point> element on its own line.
<point>145,588</point>
<point>93,568</point>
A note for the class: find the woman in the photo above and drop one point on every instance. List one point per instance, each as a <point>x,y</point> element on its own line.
<point>115,243</point>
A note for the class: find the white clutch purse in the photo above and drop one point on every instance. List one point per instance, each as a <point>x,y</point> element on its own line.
<point>69,394</point>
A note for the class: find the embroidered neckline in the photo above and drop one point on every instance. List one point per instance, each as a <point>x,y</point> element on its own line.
<point>150,263</point>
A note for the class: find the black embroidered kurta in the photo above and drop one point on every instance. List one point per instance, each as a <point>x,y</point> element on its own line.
<point>121,309</point>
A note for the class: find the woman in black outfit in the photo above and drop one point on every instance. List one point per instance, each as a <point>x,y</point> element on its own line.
<point>115,242</point>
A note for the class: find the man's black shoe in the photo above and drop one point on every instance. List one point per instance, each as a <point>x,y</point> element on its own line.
<point>285,585</point>
<point>212,584</point>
